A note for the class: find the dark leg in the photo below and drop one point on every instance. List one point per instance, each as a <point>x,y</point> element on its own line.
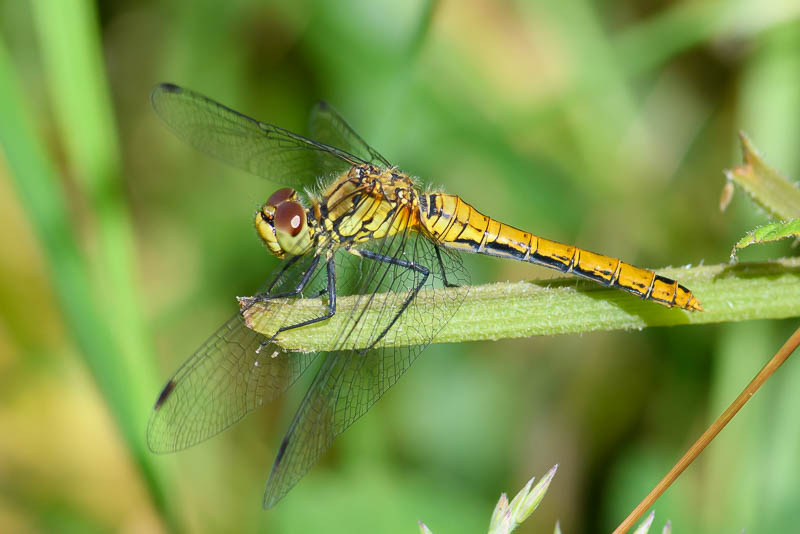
<point>441,267</point>
<point>264,297</point>
<point>286,265</point>
<point>424,271</point>
<point>331,290</point>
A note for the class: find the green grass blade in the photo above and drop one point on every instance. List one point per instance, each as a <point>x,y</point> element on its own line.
<point>769,290</point>
<point>97,294</point>
<point>41,195</point>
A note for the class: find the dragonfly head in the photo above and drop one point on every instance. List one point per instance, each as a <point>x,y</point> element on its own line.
<point>282,224</point>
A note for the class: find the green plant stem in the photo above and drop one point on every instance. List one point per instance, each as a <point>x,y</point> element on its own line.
<point>766,290</point>
<point>95,291</point>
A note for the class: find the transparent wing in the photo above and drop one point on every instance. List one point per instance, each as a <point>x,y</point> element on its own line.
<point>349,382</point>
<point>257,147</point>
<point>221,383</point>
<point>327,126</point>
<point>226,378</point>
<point>224,381</point>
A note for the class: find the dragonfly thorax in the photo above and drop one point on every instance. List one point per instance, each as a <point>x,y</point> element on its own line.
<point>283,225</point>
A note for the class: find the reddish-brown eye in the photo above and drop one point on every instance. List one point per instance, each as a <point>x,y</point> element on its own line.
<point>290,218</point>
<point>281,195</point>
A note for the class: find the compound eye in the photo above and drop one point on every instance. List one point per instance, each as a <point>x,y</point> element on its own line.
<point>281,195</point>
<point>290,217</point>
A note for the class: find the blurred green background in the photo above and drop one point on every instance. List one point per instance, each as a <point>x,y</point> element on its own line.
<point>603,124</point>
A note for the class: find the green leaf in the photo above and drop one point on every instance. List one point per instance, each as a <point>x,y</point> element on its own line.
<point>768,233</point>
<point>750,290</point>
<point>765,185</point>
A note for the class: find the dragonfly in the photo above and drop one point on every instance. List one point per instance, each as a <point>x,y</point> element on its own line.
<point>347,222</point>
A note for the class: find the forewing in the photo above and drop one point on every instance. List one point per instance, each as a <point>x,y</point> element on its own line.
<point>350,381</point>
<point>327,126</point>
<point>254,146</point>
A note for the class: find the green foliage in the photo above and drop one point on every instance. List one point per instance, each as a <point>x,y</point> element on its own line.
<point>770,190</point>
<point>769,232</point>
<point>765,185</point>
<point>600,125</point>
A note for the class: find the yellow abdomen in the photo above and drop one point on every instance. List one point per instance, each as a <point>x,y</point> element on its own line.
<point>457,225</point>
